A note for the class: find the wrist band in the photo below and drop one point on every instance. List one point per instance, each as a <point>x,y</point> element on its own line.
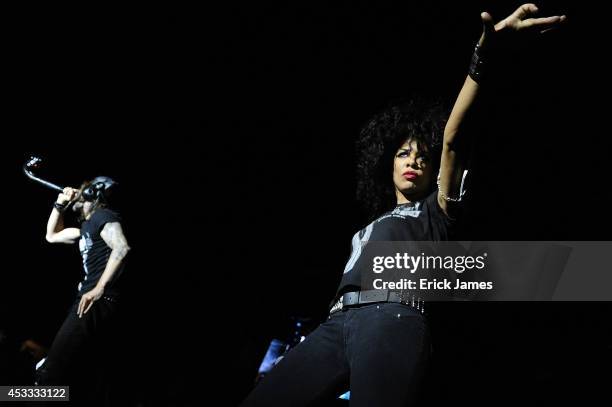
<point>60,207</point>
<point>478,65</point>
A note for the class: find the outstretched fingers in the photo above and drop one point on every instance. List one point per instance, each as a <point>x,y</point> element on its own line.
<point>543,24</point>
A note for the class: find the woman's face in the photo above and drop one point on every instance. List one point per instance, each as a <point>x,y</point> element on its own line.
<point>412,172</point>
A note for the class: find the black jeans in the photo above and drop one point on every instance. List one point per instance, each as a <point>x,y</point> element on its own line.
<point>79,355</point>
<point>380,351</point>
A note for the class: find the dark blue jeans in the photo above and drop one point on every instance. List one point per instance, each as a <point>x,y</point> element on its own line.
<point>378,351</point>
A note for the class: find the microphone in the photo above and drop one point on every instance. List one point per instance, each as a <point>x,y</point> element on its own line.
<point>34,163</point>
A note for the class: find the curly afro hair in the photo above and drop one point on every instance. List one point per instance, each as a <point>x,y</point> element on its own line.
<point>421,119</point>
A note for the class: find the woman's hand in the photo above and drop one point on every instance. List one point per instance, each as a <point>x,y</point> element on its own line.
<point>522,20</point>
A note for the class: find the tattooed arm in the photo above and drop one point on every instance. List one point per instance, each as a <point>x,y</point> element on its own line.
<point>112,233</point>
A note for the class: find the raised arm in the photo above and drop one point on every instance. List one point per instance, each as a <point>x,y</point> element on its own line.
<point>454,148</point>
<point>56,233</point>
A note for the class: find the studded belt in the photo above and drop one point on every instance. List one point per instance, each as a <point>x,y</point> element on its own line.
<point>355,298</point>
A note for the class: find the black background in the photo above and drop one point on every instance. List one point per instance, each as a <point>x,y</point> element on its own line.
<point>231,131</point>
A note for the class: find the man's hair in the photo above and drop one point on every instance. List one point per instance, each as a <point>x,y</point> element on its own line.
<point>420,119</point>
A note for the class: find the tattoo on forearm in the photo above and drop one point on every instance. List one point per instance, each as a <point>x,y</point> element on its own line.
<point>119,253</point>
